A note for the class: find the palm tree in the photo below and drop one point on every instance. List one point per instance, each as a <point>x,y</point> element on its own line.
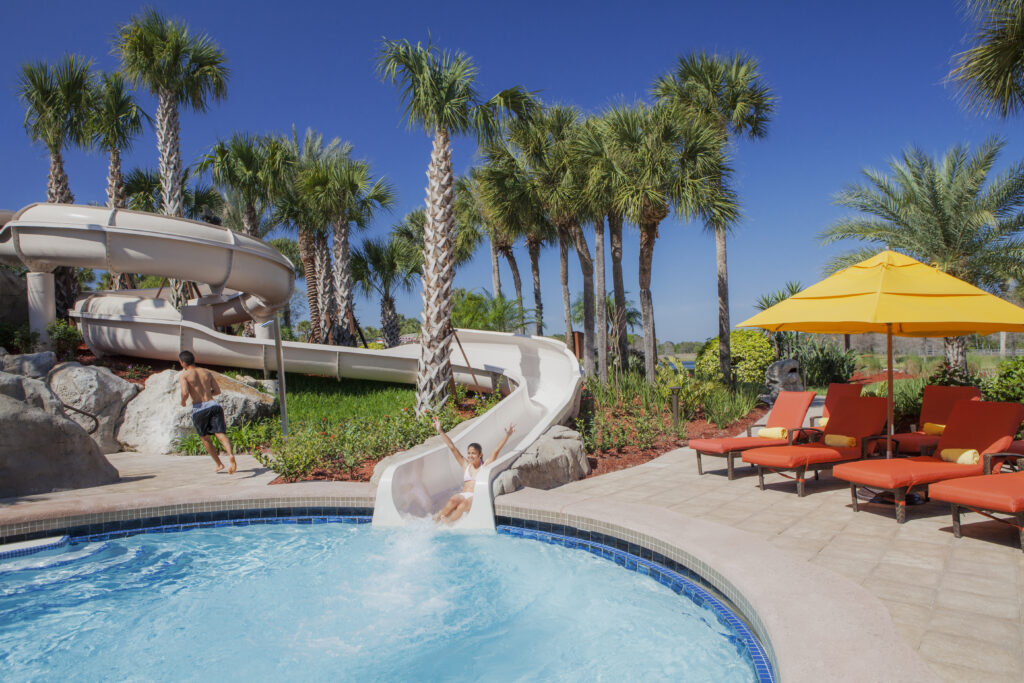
<point>664,163</point>
<point>180,69</point>
<point>437,90</point>
<point>727,93</point>
<point>384,267</point>
<point>253,170</point>
<point>58,100</point>
<point>115,121</point>
<point>948,213</point>
<point>990,75</point>
<point>142,190</point>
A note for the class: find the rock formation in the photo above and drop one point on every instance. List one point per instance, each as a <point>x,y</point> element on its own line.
<point>556,458</point>
<point>96,391</point>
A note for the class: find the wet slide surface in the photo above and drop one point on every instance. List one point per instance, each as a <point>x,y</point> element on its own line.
<point>248,278</point>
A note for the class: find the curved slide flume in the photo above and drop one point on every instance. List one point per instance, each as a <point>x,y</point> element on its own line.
<point>245,278</point>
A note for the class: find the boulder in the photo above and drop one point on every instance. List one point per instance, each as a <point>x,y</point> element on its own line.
<point>34,365</point>
<point>13,298</point>
<point>34,392</point>
<point>556,458</point>
<point>267,386</point>
<point>98,392</point>
<point>782,375</point>
<point>41,452</point>
<point>155,421</point>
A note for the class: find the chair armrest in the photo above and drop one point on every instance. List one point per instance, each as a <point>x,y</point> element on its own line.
<point>991,458</point>
<point>876,437</point>
<point>928,449</point>
<point>811,433</point>
<point>815,419</point>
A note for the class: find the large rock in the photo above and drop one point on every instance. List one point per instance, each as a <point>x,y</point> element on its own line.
<point>41,452</point>
<point>34,365</point>
<point>34,392</point>
<point>13,299</point>
<point>155,421</point>
<point>97,391</point>
<point>782,375</point>
<point>556,458</point>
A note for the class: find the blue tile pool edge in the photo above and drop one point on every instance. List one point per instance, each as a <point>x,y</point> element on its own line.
<point>210,524</point>
<point>747,644</point>
<point>32,550</point>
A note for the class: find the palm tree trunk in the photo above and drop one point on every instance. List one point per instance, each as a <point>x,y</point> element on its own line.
<point>563,272</point>
<point>116,199</point>
<point>724,331</point>
<point>325,288</point>
<point>168,142</point>
<point>587,268</point>
<point>956,351</point>
<point>343,284</point>
<point>648,232</point>
<point>434,372</point>
<point>600,301</point>
<point>495,271</point>
<point>389,322</point>
<point>307,252</point>
<point>533,248</point>
<point>517,281</point>
<point>65,278</point>
<point>249,220</point>
<point>619,287</point>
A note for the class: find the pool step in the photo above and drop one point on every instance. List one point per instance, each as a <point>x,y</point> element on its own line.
<point>22,548</point>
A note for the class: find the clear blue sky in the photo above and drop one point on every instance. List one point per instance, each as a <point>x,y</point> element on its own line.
<point>856,83</point>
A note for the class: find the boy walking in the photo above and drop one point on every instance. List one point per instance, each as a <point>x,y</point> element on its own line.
<point>199,385</point>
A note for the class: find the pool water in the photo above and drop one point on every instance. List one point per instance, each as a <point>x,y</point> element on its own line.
<point>347,602</point>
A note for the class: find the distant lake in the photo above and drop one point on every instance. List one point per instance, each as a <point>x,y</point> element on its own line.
<point>680,364</point>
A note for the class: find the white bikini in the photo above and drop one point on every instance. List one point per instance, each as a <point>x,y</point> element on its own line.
<point>466,476</point>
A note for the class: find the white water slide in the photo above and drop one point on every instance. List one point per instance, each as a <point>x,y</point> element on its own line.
<point>247,278</point>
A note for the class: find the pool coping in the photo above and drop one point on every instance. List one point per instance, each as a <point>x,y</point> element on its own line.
<point>848,636</point>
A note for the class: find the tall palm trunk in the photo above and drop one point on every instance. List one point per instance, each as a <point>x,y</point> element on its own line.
<point>65,278</point>
<point>495,271</point>
<point>389,322</point>
<point>307,252</point>
<point>724,346</point>
<point>343,285</point>
<point>533,248</point>
<point>517,281</point>
<point>587,268</point>
<point>325,288</point>
<point>601,322</point>
<point>116,200</point>
<point>434,372</point>
<point>648,233</point>
<point>563,273</point>
<point>168,142</point>
<point>956,351</point>
<point>619,288</point>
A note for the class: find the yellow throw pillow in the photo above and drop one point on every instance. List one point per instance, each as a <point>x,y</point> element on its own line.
<point>822,422</point>
<point>961,456</point>
<point>774,433</point>
<point>840,441</point>
<point>932,429</point>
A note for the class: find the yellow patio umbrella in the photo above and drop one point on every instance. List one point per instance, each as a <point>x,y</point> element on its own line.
<point>896,295</point>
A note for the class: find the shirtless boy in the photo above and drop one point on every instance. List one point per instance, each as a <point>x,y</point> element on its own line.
<point>207,415</point>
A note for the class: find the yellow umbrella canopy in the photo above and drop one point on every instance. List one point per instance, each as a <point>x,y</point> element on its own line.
<point>892,289</point>
<point>896,295</point>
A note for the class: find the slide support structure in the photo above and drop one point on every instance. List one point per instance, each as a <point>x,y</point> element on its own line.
<point>42,304</point>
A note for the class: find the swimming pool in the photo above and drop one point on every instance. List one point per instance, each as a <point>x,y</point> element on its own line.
<point>343,601</point>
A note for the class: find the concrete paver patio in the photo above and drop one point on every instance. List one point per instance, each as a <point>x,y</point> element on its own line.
<point>958,602</point>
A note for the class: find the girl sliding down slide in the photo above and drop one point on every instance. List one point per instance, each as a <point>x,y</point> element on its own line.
<point>460,503</point>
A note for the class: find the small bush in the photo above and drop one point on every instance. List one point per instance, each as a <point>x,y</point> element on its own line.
<point>724,406</point>
<point>907,396</point>
<point>947,375</point>
<point>1008,384</point>
<point>824,362</point>
<point>18,339</point>
<point>752,353</point>
<point>869,364</point>
<point>64,337</point>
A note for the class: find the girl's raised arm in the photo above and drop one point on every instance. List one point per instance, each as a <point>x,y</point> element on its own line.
<point>447,439</point>
<point>508,433</point>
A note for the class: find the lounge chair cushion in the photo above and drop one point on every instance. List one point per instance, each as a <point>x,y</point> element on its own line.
<point>840,441</point>
<point>903,472</point>
<point>773,433</point>
<point>932,429</point>
<point>790,409</point>
<point>789,457</point>
<point>1016,447</point>
<point>961,456</point>
<point>913,442</point>
<point>733,443</point>
<point>998,492</point>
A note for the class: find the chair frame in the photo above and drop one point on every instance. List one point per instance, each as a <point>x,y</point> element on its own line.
<point>730,456</point>
<point>801,471</point>
<point>1018,517</point>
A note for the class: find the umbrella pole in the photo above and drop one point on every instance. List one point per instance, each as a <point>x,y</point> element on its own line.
<point>889,428</point>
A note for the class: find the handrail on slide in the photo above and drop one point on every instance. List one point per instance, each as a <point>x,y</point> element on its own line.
<point>546,377</point>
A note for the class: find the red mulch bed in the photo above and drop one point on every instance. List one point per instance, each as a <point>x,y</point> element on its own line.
<point>611,460</point>
<point>134,370</point>
<point>861,378</point>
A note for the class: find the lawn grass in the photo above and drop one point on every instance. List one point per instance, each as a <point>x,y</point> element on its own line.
<point>312,399</point>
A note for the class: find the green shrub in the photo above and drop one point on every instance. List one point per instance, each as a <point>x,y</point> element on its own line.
<point>869,364</point>
<point>18,339</point>
<point>947,375</point>
<point>752,353</point>
<point>1008,384</point>
<point>724,406</point>
<point>64,337</point>
<point>824,362</point>
<point>907,396</point>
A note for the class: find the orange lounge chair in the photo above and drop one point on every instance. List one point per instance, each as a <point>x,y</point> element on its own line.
<point>788,412</point>
<point>861,419</point>
<point>987,495</point>
<point>936,405</point>
<point>985,427</point>
<point>837,391</point>
<point>1017,447</point>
